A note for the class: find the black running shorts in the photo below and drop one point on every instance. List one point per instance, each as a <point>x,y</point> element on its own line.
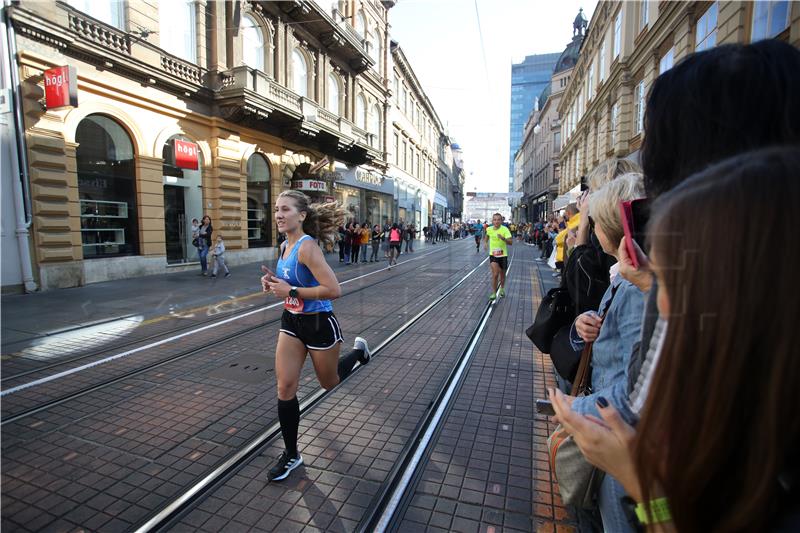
<point>395,246</point>
<point>502,261</point>
<point>318,331</point>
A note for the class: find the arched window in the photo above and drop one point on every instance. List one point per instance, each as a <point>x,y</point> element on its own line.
<point>252,43</point>
<point>177,29</point>
<point>299,73</point>
<point>361,112</point>
<point>259,221</point>
<point>375,51</point>
<point>106,188</point>
<point>375,126</point>
<point>333,94</point>
<point>361,25</point>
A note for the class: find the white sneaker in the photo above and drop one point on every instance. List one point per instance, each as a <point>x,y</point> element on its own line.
<point>361,344</point>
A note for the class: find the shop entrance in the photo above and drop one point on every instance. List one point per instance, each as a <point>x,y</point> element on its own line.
<point>183,201</point>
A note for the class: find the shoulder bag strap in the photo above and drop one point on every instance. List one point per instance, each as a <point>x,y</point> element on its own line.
<point>581,383</point>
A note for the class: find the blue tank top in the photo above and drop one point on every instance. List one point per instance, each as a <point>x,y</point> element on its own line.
<point>297,274</point>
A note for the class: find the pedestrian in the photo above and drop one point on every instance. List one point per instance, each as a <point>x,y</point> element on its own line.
<point>366,237</point>
<point>341,233</point>
<point>377,236</point>
<point>394,244</point>
<point>219,257</point>
<point>407,238</point>
<point>477,231</point>
<point>497,240</point>
<point>385,239</point>
<point>355,246</point>
<point>306,284</point>
<point>204,240</point>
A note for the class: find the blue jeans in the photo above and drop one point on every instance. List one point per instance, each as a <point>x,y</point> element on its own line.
<point>611,508</point>
<point>202,251</point>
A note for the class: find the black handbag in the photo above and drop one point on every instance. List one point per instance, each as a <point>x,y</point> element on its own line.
<point>564,357</point>
<point>555,311</point>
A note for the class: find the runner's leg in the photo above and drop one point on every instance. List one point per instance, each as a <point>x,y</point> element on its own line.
<point>289,358</point>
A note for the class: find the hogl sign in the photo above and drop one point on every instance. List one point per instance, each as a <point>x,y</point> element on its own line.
<point>185,155</point>
<point>61,87</point>
<point>310,185</point>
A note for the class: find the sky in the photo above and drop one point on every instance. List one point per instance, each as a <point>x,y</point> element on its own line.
<point>442,42</point>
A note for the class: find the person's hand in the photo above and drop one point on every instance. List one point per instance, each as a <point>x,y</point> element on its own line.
<point>268,276</point>
<point>582,203</point>
<point>572,237</point>
<point>588,325</point>
<point>642,277</point>
<point>279,287</point>
<point>605,442</point>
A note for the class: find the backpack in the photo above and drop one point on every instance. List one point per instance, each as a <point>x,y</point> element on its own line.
<point>394,235</point>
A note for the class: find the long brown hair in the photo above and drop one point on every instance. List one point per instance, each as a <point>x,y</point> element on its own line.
<point>322,220</point>
<point>721,421</point>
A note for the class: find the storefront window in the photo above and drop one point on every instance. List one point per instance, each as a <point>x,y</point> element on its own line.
<point>350,199</point>
<point>259,219</point>
<point>106,188</point>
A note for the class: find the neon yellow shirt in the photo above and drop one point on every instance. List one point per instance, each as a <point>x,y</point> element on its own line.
<point>497,246</point>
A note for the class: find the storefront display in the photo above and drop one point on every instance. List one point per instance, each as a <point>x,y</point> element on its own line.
<point>364,193</point>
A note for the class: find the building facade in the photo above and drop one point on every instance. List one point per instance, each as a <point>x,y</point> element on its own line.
<point>420,158</point>
<point>482,205</point>
<point>528,78</point>
<point>188,108</point>
<point>628,44</point>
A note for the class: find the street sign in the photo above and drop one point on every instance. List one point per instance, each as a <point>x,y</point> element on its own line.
<point>61,87</point>
<point>310,185</point>
<point>185,155</point>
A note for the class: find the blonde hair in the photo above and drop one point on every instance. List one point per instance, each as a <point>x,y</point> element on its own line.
<point>609,170</point>
<point>322,220</point>
<point>604,203</point>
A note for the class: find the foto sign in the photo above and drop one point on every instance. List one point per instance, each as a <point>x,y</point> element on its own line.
<point>61,87</point>
<point>310,185</point>
<point>185,155</point>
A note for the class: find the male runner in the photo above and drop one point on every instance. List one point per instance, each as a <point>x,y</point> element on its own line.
<point>477,230</point>
<point>497,239</point>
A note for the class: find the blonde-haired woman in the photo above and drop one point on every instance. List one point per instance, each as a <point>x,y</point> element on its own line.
<point>613,328</point>
<point>306,283</point>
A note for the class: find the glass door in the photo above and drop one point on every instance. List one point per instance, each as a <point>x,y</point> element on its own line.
<point>175,224</point>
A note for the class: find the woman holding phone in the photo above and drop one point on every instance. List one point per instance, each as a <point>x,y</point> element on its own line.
<point>307,284</point>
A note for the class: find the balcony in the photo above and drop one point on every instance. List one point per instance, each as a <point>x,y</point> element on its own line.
<point>337,36</point>
<point>252,98</point>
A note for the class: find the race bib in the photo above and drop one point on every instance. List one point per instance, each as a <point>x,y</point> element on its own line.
<point>497,252</point>
<point>292,304</point>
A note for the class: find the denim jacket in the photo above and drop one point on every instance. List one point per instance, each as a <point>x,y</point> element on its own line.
<point>612,349</point>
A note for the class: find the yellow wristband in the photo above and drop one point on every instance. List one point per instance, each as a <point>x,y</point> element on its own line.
<point>659,509</point>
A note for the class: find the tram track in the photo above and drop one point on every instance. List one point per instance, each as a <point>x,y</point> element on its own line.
<point>163,334</point>
<point>16,417</point>
<point>172,512</point>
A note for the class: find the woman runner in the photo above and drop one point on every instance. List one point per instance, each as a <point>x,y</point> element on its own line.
<point>307,285</point>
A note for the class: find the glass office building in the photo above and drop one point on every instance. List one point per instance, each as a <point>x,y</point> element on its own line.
<point>527,81</point>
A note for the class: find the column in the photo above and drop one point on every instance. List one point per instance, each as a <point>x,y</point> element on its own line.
<point>150,205</point>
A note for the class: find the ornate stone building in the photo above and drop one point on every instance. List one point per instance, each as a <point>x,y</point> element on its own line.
<point>259,96</point>
<point>628,44</point>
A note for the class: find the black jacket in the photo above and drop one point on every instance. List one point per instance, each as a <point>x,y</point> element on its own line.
<point>586,275</point>
<point>209,230</point>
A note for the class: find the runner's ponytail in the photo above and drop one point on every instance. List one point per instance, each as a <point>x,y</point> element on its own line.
<point>322,220</point>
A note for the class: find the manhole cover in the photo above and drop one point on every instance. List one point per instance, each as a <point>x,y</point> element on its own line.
<point>248,368</point>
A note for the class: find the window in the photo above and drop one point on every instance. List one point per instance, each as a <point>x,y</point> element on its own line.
<point>602,70</point>
<point>361,25</point>
<point>706,30</point>
<point>333,94</point>
<point>557,141</point>
<point>252,43</point>
<point>375,126</point>
<point>259,212</point>
<point>396,150</point>
<point>376,52</point>
<point>769,19</point>
<point>644,13</point>
<point>614,124</point>
<point>177,29</point>
<point>299,73</point>
<point>405,155</point>
<point>112,12</point>
<point>106,188</point>
<point>667,61</point>
<point>361,112</point>
<point>617,34</point>
<point>591,81</point>
<point>638,117</point>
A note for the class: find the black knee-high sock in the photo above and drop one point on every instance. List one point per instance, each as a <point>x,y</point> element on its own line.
<point>347,363</point>
<point>289,418</point>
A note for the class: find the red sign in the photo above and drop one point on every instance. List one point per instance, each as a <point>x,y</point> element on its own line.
<point>61,87</point>
<point>185,155</point>
<point>310,185</point>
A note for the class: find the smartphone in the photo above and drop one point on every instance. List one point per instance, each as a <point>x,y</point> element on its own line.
<point>635,215</point>
<point>544,407</point>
